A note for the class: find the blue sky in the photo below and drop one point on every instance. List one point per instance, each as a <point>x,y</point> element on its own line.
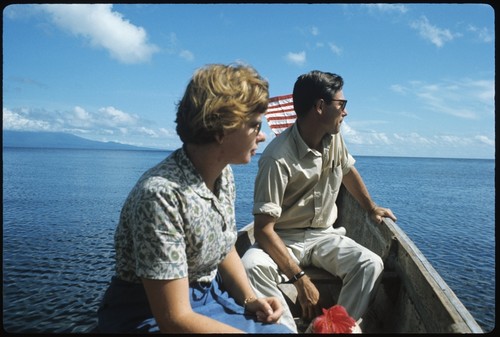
<point>420,78</point>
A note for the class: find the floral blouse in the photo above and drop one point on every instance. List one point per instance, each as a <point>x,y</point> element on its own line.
<point>172,226</point>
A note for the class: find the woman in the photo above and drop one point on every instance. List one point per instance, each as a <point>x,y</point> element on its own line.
<point>177,269</point>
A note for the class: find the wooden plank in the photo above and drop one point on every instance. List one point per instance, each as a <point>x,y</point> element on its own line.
<point>412,296</point>
<point>425,298</point>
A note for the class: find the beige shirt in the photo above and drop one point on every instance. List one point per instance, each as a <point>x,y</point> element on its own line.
<point>297,185</point>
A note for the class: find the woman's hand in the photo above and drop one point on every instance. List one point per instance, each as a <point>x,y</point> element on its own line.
<point>267,309</point>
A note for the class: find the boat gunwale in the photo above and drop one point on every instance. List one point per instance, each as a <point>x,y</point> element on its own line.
<point>461,319</point>
<point>449,299</point>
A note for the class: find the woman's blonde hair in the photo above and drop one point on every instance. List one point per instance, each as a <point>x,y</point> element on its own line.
<point>220,98</point>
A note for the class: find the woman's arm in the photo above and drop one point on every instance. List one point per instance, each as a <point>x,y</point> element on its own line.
<point>236,282</point>
<point>169,302</point>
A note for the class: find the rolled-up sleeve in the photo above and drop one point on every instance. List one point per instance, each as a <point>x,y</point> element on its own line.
<point>270,185</point>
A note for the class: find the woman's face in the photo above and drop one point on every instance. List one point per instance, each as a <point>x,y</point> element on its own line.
<point>241,144</point>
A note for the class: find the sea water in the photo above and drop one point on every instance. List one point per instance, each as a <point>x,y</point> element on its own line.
<point>60,209</point>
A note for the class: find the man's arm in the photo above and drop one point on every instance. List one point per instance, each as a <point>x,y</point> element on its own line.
<point>272,244</point>
<point>355,185</point>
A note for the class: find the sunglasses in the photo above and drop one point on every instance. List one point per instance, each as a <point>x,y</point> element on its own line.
<point>343,103</point>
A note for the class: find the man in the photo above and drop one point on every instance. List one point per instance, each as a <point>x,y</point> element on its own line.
<point>299,177</point>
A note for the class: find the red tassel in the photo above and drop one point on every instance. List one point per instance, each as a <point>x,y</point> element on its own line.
<point>334,320</point>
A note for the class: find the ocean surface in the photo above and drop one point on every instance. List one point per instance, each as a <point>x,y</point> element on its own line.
<point>60,209</point>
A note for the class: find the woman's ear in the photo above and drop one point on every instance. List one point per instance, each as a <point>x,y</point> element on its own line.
<point>219,137</point>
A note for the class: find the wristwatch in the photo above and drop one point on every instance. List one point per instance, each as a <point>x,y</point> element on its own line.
<point>296,277</point>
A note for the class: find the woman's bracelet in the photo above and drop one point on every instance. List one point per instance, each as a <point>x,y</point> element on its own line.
<point>296,277</point>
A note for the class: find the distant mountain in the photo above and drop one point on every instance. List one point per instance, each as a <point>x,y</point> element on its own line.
<point>59,140</point>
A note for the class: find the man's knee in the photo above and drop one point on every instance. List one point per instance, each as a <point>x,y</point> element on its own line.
<point>250,260</point>
<point>259,265</point>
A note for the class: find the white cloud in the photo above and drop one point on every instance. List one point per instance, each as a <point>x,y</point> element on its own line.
<point>435,35</point>
<point>186,55</point>
<point>398,88</point>
<point>464,98</point>
<point>335,49</point>
<point>415,144</point>
<point>483,34</point>
<point>445,101</point>
<point>165,132</point>
<point>389,8</point>
<point>106,120</point>
<point>441,141</point>
<point>26,81</point>
<point>296,58</point>
<point>113,117</point>
<point>104,28</point>
<point>485,140</point>
<point>174,48</point>
<point>351,134</point>
<point>364,138</point>
<point>18,121</point>
<point>79,118</point>
<point>105,124</point>
<point>412,138</point>
<point>147,131</point>
<point>483,90</point>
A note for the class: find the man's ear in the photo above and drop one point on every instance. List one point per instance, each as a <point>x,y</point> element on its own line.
<point>318,106</point>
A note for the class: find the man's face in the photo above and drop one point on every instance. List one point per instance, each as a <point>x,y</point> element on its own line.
<point>334,112</point>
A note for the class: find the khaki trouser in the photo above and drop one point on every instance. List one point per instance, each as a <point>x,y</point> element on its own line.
<point>326,248</point>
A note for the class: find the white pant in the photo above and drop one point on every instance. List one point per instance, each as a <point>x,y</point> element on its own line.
<point>329,249</point>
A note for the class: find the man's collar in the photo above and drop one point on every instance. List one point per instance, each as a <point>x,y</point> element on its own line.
<point>302,148</point>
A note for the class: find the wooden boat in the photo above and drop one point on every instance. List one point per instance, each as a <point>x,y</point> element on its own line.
<point>411,298</point>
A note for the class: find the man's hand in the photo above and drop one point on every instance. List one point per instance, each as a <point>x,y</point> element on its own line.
<point>377,213</point>
<point>308,296</point>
